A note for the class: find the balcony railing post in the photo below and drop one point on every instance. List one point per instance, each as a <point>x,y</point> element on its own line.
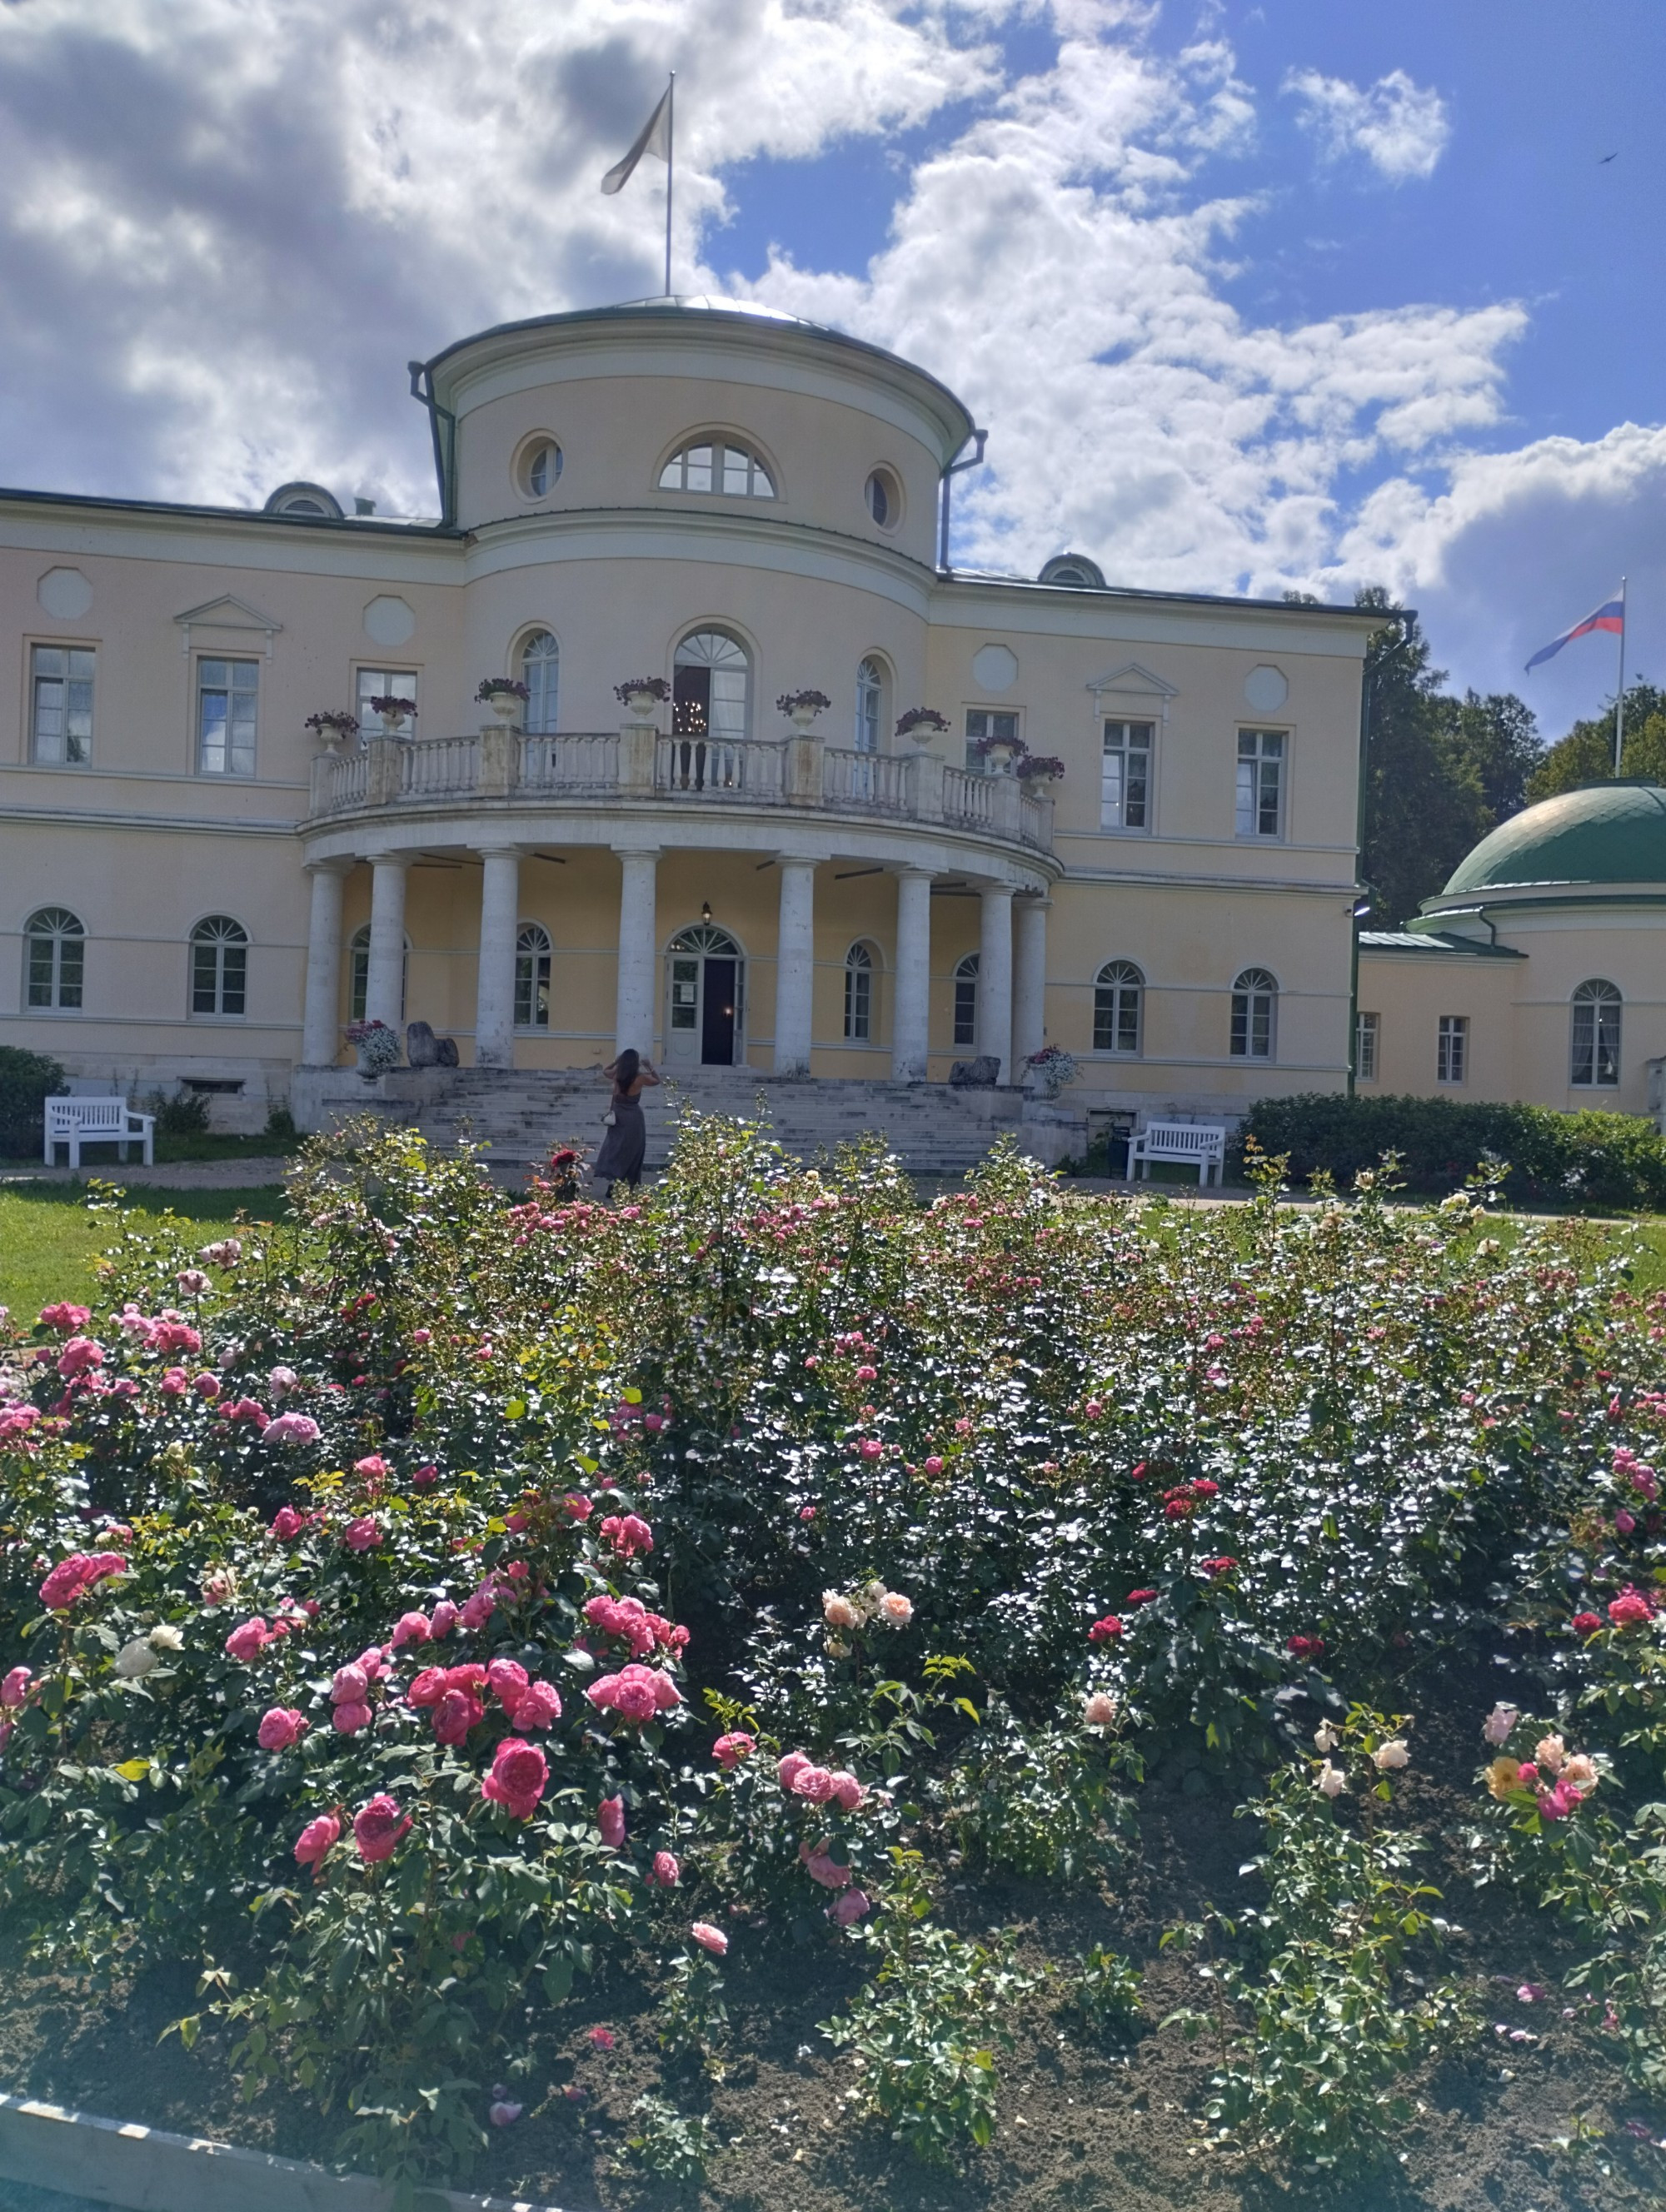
<point>922,786</point>
<point>639,748</point>
<point>381,781</point>
<point>321,783</point>
<point>1006,805</point>
<point>498,761</point>
<point>804,770</point>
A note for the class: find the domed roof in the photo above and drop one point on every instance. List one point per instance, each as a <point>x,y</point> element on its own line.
<point>1608,833</point>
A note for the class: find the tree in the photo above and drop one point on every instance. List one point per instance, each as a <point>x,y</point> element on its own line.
<point>1498,738</point>
<point>1586,754</point>
<point>1425,803</point>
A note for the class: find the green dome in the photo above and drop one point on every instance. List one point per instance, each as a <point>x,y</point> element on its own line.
<point>1608,833</point>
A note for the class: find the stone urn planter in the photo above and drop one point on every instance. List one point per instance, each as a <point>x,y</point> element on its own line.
<point>802,717</point>
<point>504,705</point>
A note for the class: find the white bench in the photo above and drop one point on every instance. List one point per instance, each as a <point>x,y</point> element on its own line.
<point>1200,1144</point>
<point>78,1122</point>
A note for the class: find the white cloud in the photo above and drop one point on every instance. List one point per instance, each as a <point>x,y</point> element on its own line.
<point>1400,127</point>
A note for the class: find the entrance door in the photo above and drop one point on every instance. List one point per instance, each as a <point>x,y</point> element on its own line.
<point>705,1010</point>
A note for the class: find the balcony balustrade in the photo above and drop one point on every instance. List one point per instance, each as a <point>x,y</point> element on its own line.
<point>636,766</point>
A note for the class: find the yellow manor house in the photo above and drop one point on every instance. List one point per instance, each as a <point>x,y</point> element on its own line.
<point>1012,811</point>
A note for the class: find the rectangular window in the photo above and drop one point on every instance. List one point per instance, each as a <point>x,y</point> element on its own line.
<point>1452,1050</point>
<point>385,683</point>
<point>61,685</point>
<point>684,994</point>
<point>1125,776</point>
<point>228,692</point>
<point>981,725</point>
<point>1261,783</point>
<point>858,1003</point>
<point>965,1001</point>
<point>1364,1048</point>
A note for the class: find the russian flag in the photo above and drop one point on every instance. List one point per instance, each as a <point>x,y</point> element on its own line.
<point>1610,616</point>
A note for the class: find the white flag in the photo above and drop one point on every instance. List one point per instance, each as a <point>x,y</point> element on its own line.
<point>654,137</point>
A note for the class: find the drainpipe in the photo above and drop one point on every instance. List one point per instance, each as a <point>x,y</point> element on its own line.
<point>973,460</point>
<point>445,442</point>
<point>1361,902</point>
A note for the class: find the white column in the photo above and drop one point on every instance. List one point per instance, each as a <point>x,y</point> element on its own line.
<point>994,980</point>
<point>795,966</point>
<point>384,993</point>
<point>495,994</point>
<point>319,1029</point>
<point>633,1021</point>
<point>910,1020</point>
<point>1028,981</point>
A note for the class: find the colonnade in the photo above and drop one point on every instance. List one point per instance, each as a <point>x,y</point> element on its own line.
<point>1012,974</point>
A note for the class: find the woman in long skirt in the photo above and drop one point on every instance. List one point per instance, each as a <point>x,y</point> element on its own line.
<point>620,1160</point>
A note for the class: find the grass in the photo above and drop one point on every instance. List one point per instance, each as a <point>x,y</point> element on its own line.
<point>50,1238</point>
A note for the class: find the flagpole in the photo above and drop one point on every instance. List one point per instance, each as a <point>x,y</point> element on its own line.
<point>1620,694</point>
<point>670,168</point>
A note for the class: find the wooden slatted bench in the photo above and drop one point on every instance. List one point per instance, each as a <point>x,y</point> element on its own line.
<point>78,1122</point>
<point>1200,1144</point>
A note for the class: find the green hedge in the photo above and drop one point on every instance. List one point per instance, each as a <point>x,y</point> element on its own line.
<point>1607,1158</point>
<point>26,1079</point>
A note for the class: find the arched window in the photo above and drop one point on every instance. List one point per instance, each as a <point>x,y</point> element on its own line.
<point>219,965</point>
<point>358,986</point>
<point>1596,1036</point>
<point>54,952</point>
<point>965,1000</point>
<point>540,672</point>
<point>870,706</point>
<point>714,465</point>
<point>861,1012</point>
<point>532,976</point>
<point>711,684</point>
<point>1119,994</point>
<point>1254,1015</point>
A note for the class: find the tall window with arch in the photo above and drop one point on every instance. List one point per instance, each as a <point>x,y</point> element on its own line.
<point>54,959</point>
<point>532,977</point>
<point>862,1012</point>
<point>219,967</point>
<point>358,973</point>
<point>870,706</point>
<point>711,705</point>
<point>1595,1056</point>
<point>1254,1015</point>
<point>540,672</point>
<point>965,1000</point>
<point>1119,993</point>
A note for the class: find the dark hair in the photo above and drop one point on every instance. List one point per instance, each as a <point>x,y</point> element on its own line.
<point>626,1068</point>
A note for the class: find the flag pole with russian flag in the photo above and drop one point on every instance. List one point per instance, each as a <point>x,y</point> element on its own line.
<point>1610,616</point>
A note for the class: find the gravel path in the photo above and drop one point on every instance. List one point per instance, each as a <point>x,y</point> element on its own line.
<point>182,1174</point>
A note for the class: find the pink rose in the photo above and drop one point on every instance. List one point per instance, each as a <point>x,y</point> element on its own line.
<point>933,1465</point>
<point>14,1689</point>
<point>350,1685</point>
<point>410,1628</point>
<point>814,1782</point>
<point>1105,1630</point>
<point>456,1713</point>
<point>628,1534</point>
<point>790,1767</point>
<point>824,1868</point>
<point>502,2114</point>
<point>709,1938</point>
<point>378,1828</point>
<point>519,1773</point>
<point>478,1610</point>
<point>508,1678</point>
<point>539,1707</point>
<point>248,1640</point>
<point>64,1317</point>
<point>853,1906</point>
<point>79,1356</point>
<point>174,1383</point>
<point>576,1506</point>
<point>362,1534</point>
<point>425,1478</point>
<point>427,1687</point>
<point>66,1582</point>
<point>282,1381</point>
<point>665,1873</point>
<point>729,1750</point>
<point>373,1469</point>
<point>1630,1608</point>
<point>870,1448</point>
<point>1624,1522</point>
<point>443,1619</point>
<point>280,1727</point>
<point>206,1385</point>
<point>317,1839</point>
<point>287,1524</point>
<point>848,1791</point>
<point>292,1429</point>
<point>348,1718</point>
<point>611,1820</point>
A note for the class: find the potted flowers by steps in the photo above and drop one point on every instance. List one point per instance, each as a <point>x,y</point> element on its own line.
<point>801,707</point>
<point>1047,1071</point>
<point>922,724</point>
<point>335,726</point>
<point>503,694</point>
<point>1041,771</point>
<point>395,711</point>
<point>640,694</point>
<point>377,1046</point>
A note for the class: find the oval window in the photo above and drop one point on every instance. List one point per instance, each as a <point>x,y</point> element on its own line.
<point>885,498</point>
<point>541,465</point>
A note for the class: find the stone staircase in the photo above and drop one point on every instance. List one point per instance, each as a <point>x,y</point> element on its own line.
<point>522,1113</point>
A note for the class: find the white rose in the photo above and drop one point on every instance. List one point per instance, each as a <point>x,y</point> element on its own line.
<point>1390,1755</point>
<point>1100,1710</point>
<point>165,1637</point>
<point>135,1658</point>
<point>1499,1722</point>
<point>1331,1779</point>
<point>1325,1737</point>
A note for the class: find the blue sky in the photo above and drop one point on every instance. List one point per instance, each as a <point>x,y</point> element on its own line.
<point>1251,297</point>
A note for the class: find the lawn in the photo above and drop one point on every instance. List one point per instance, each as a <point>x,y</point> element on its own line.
<point>49,1236</point>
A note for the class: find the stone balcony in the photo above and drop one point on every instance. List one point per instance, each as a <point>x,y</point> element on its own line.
<point>637,768</point>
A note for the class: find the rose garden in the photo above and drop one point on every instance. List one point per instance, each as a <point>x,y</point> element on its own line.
<point>785,1692</point>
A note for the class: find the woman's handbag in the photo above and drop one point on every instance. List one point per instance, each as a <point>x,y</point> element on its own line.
<point>610,1120</point>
